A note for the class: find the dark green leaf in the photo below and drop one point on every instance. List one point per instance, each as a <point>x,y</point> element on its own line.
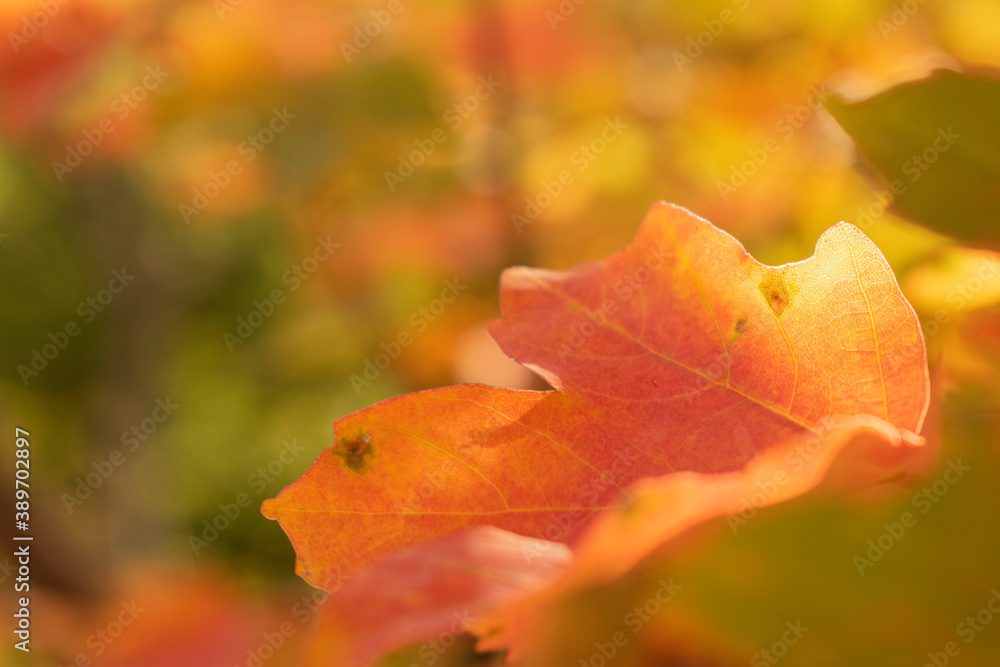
<point>935,143</point>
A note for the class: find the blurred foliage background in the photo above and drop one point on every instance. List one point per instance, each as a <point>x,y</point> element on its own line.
<point>120,123</point>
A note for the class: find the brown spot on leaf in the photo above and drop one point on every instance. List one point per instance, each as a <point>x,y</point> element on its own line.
<point>776,292</point>
<point>778,301</point>
<point>741,326</point>
<point>357,453</point>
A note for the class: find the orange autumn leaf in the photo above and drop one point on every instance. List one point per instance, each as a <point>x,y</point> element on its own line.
<point>681,352</point>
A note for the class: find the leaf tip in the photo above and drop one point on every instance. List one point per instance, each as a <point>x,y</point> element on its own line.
<point>269,508</point>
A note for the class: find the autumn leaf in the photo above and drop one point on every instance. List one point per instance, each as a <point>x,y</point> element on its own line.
<point>841,453</point>
<point>448,582</point>
<point>860,458</point>
<point>680,353</point>
<point>869,580</point>
<point>935,147</point>
<point>508,588</point>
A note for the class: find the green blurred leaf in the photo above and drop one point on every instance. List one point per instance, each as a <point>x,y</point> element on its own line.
<point>800,562</point>
<point>936,142</point>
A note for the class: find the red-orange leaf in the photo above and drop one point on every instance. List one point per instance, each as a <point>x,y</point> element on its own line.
<point>448,583</point>
<point>680,353</point>
<point>840,454</point>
